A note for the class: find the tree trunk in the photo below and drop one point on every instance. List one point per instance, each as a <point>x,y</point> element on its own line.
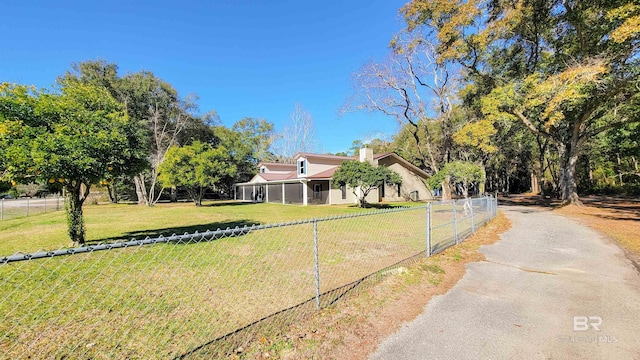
<point>535,183</point>
<point>362,197</point>
<point>174,194</point>
<point>482,185</point>
<point>76,195</point>
<point>151,194</point>
<point>200,194</point>
<point>507,182</point>
<point>113,196</point>
<point>141,190</point>
<point>446,189</point>
<point>568,188</point>
<point>620,169</point>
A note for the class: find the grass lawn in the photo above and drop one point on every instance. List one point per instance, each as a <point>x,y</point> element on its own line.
<point>162,300</point>
<point>118,222</point>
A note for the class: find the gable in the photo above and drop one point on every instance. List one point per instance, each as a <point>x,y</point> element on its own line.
<point>393,158</point>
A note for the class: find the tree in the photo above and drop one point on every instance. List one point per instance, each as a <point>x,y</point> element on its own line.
<point>568,70</point>
<point>362,177</point>
<point>157,104</point>
<point>459,172</point>
<point>411,87</point>
<point>196,167</point>
<point>417,90</point>
<point>157,108</point>
<point>258,135</point>
<point>378,146</point>
<point>248,142</point>
<point>76,137</point>
<point>298,135</point>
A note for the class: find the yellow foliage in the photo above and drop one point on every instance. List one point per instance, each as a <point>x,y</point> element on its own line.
<point>629,14</point>
<point>630,28</point>
<point>478,135</point>
<point>451,18</point>
<point>567,88</point>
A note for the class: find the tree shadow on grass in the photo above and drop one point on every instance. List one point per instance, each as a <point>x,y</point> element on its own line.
<point>378,206</point>
<point>219,203</point>
<point>207,203</point>
<point>629,207</point>
<point>381,206</point>
<point>178,230</point>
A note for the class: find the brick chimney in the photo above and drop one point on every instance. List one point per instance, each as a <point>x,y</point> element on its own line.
<point>366,154</point>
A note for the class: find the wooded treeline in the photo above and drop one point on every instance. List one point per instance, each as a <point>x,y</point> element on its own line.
<point>541,94</point>
<point>133,134</point>
<point>159,119</point>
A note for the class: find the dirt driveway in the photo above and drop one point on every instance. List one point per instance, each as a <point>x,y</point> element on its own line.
<point>550,289</point>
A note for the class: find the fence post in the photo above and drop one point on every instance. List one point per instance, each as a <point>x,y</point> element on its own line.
<point>455,222</point>
<point>473,224</point>
<point>494,204</point>
<point>317,262</point>
<point>487,208</point>
<point>2,209</point>
<point>428,229</point>
<point>490,206</point>
<point>58,202</point>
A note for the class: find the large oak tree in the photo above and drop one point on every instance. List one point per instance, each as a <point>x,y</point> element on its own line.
<point>567,70</point>
<point>76,136</point>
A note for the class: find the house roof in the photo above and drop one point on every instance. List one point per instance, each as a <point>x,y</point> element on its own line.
<point>276,165</point>
<point>403,161</point>
<point>278,176</point>
<point>323,156</point>
<point>327,174</point>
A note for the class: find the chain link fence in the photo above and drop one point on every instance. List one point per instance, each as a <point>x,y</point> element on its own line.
<point>14,208</point>
<point>201,295</point>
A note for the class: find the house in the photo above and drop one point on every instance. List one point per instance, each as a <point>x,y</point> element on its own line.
<point>309,181</point>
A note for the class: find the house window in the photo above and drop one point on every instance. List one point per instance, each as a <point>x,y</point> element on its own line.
<point>263,169</point>
<point>343,190</point>
<point>399,189</point>
<point>382,190</point>
<point>317,191</point>
<point>302,167</point>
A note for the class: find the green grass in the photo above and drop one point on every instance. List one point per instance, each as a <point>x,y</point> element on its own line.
<point>117,222</point>
<point>162,300</point>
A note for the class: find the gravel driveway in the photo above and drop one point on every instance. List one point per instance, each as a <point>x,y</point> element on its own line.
<point>549,289</point>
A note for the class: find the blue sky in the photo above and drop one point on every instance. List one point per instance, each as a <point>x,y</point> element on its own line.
<point>242,58</point>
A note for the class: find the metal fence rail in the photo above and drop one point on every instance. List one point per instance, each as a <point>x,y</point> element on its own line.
<point>13,208</point>
<point>185,295</point>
